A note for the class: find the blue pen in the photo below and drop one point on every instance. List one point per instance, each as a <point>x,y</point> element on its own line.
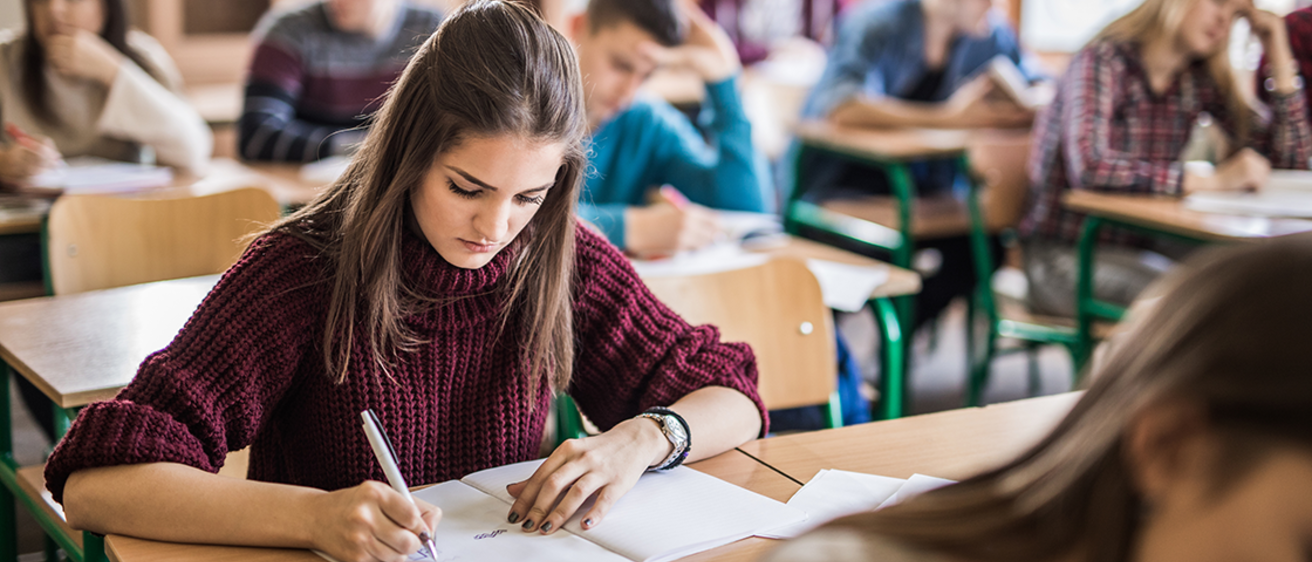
<point>387,459</point>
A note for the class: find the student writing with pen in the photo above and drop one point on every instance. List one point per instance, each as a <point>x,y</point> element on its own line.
<point>640,142</point>
<point>78,82</point>
<point>443,282</point>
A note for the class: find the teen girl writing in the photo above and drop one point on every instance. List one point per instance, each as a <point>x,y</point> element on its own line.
<point>444,282</point>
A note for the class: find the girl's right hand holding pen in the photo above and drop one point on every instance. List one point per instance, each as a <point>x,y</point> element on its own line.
<point>370,522</point>
<point>25,156</point>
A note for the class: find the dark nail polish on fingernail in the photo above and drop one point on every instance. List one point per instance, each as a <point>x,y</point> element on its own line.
<point>546,526</point>
<point>587,523</point>
<point>528,525</point>
<point>514,518</point>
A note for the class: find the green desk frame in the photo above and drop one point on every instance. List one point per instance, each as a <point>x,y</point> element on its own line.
<point>1089,309</point>
<point>891,314</point>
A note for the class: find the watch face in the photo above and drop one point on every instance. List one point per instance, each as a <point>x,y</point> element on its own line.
<point>675,428</point>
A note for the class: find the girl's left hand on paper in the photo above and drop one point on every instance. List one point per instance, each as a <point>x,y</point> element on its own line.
<point>606,466</point>
<point>83,54</point>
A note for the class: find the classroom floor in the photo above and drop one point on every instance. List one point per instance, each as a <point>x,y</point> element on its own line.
<point>937,382</point>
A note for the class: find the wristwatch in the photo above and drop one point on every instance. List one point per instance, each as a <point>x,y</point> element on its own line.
<point>676,430</point>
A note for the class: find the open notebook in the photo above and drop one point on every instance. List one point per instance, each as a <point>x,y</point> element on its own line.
<point>667,515</point>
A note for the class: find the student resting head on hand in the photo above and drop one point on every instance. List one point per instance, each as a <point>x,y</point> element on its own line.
<point>1193,442</point>
<point>640,142</point>
<point>1124,114</point>
<point>78,82</point>
<point>442,282</point>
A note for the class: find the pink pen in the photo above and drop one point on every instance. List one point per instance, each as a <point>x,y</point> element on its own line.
<point>671,195</point>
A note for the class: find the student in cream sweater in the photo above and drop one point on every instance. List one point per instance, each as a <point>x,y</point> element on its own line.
<point>77,82</point>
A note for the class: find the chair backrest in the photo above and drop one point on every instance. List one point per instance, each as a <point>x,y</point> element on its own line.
<point>776,308</point>
<point>1000,163</point>
<point>98,241</point>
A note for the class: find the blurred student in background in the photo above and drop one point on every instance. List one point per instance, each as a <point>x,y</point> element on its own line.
<point>1124,112</point>
<point>1193,443</point>
<point>320,70</point>
<point>1299,29</point>
<point>78,83</point>
<point>640,142</point>
<point>915,63</point>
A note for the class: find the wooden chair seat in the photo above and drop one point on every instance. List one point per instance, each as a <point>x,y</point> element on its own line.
<point>931,217</point>
<point>1016,311</point>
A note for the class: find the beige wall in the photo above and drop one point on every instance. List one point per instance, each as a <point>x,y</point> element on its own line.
<point>11,15</point>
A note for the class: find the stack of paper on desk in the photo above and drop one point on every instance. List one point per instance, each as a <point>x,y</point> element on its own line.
<point>1288,193</point>
<point>837,493</point>
<point>89,174</point>
<point>667,515</point>
<point>845,287</point>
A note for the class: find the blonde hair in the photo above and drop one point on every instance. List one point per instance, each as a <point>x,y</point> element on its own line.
<point>1164,18</point>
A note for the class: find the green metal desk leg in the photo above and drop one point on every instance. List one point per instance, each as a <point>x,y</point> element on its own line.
<point>8,515</point>
<point>892,383</point>
<point>1084,292</point>
<point>94,547</point>
<point>904,189</point>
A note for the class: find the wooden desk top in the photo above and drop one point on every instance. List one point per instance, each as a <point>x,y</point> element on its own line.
<point>900,281</point>
<point>732,466</point>
<point>1169,214</point>
<point>955,444</point>
<point>897,145</point>
<point>85,347</point>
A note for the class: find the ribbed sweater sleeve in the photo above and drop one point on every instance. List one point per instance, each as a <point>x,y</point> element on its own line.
<point>633,352</point>
<point>214,386</point>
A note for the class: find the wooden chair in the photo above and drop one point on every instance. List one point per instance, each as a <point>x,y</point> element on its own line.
<point>997,203</point>
<point>98,242</point>
<point>776,308</point>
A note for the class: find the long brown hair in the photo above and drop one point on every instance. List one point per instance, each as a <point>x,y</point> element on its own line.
<point>1229,334</point>
<point>492,68</point>
<point>114,31</point>
<point>1164,18</point>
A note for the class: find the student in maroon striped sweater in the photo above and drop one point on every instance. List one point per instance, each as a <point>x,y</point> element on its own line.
<point>320,70</point>
<point>444,283</point>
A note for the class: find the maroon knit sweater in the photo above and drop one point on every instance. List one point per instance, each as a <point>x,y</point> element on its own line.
<point>247,369</point>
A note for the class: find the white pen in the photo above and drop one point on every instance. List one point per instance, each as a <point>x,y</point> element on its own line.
<point>387,459</point>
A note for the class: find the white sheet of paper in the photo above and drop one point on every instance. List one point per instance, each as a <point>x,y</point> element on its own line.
<point>737,224</point>
<point>1289,180</point>
<point>90,174</point>
<point>725,256</point>
<point>325,171</point>
<point>847,287</point>
<point>1282,203</point>
<point>667,515</point>
<point>916,485</point>
<point>836,493</point>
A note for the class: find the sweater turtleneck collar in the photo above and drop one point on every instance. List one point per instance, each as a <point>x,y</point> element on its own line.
<point>439,278</point>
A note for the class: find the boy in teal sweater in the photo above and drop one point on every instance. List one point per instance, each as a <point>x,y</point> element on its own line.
<point>641,142</point>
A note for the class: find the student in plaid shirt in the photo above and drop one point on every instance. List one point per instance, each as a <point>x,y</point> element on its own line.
<point>1122,117</point>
